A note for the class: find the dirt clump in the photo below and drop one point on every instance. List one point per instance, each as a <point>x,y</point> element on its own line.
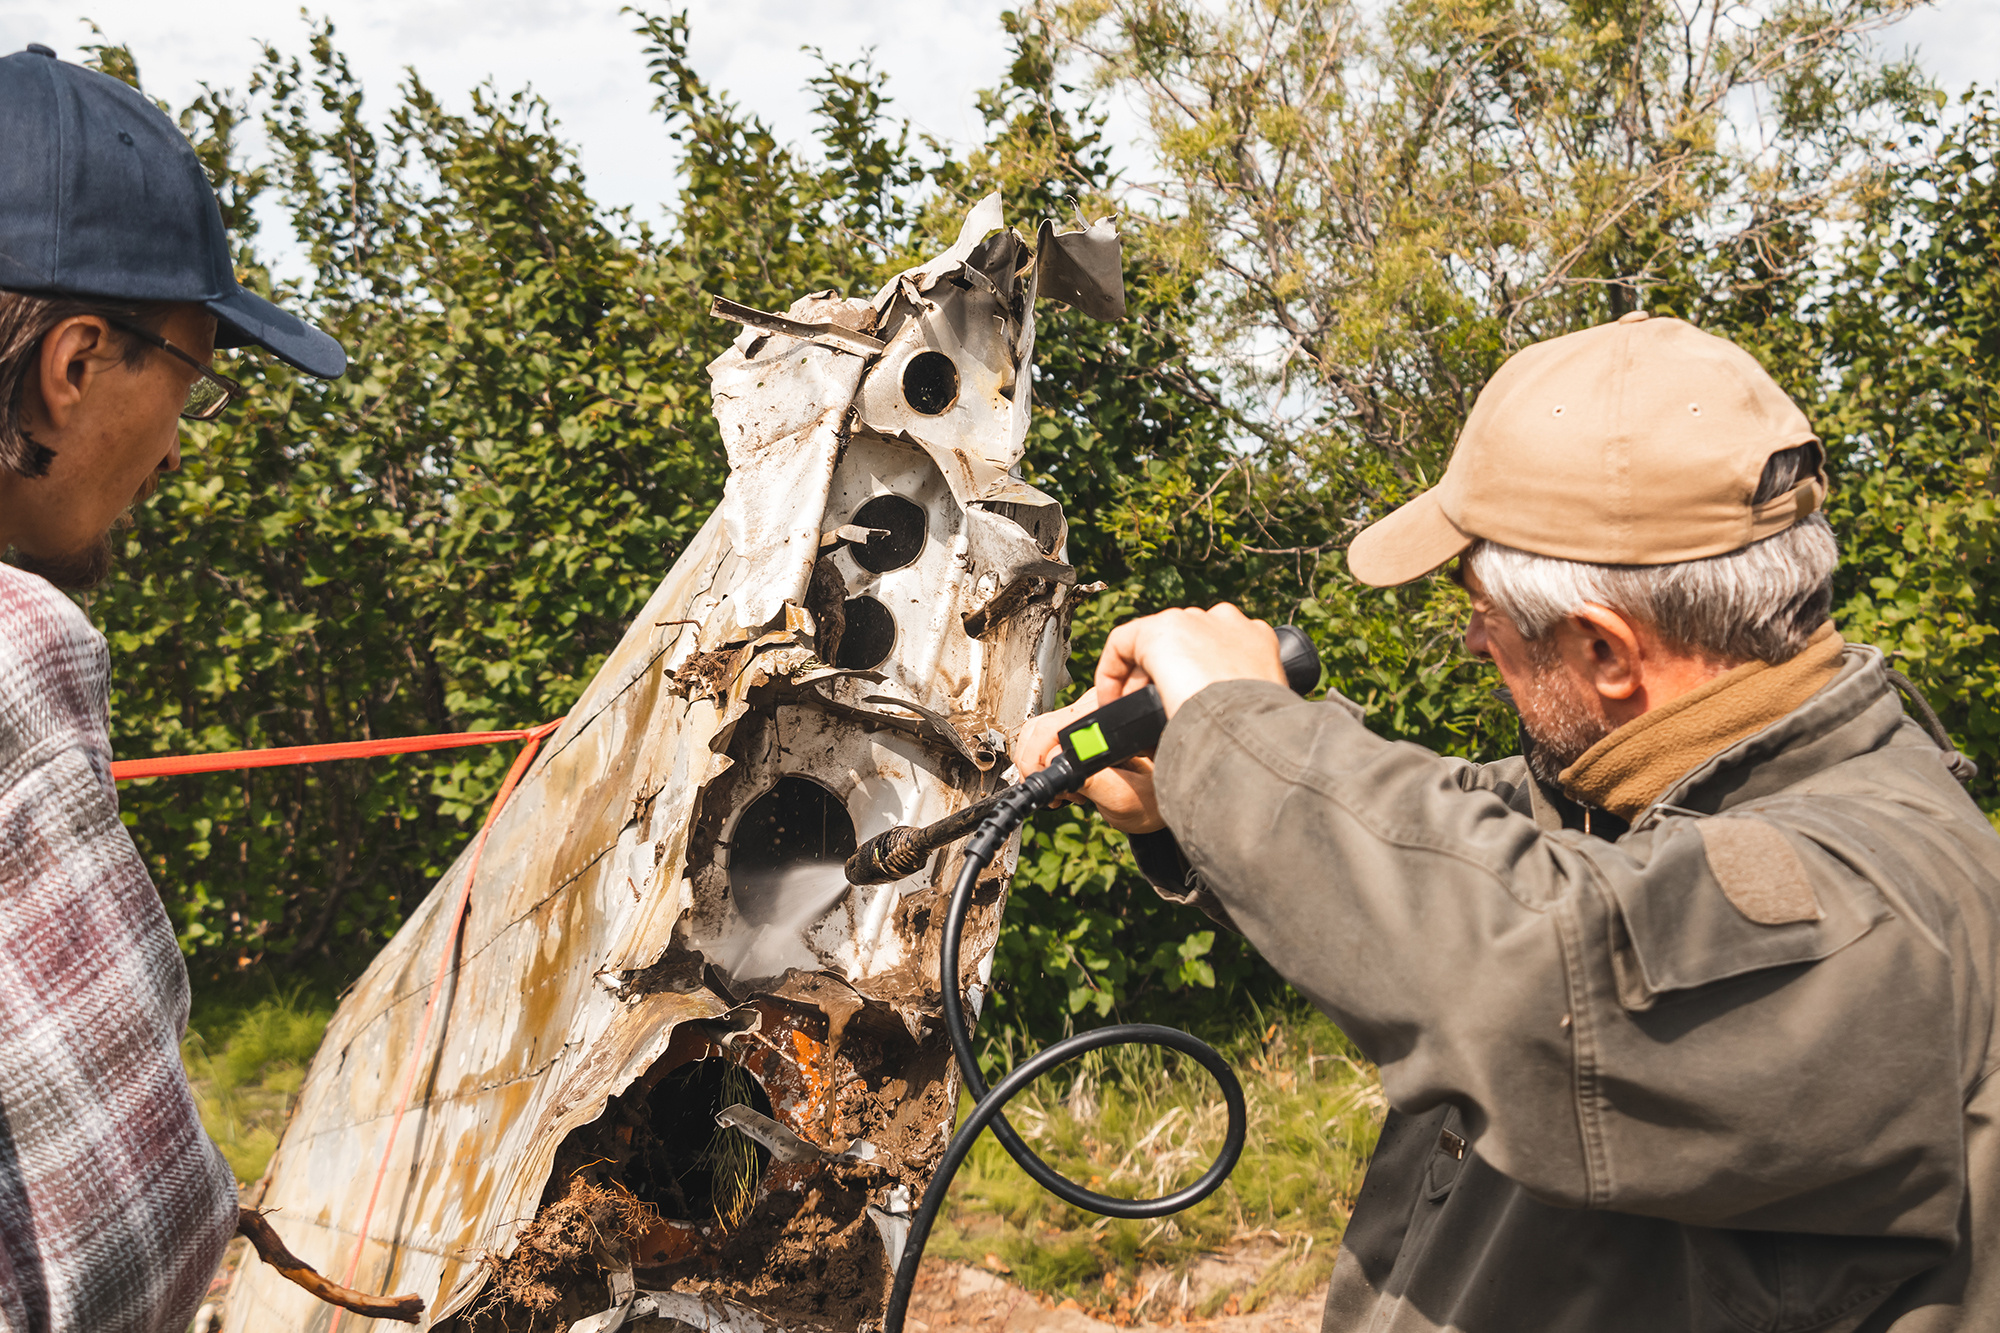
<point>560,1256</point>
<point>705,675</point>
<point>955,1298</point>
<point>811,1261</point>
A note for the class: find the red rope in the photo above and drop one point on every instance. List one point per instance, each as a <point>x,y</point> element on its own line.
<point>173,764</point>
<point>533,736</point>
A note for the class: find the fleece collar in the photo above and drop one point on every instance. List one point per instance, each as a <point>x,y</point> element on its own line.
<point>1634,766</point>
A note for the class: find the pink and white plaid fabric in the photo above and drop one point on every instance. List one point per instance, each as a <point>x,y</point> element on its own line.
<point>114,1205</point>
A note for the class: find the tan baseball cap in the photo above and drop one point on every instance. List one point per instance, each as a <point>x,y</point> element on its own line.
<point>1638,442</point>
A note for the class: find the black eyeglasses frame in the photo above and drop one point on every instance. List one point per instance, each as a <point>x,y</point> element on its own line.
<point>231,390</point>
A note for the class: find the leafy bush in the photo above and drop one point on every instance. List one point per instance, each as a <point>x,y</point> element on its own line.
<point>453,536</point>
<point>246,1066</point>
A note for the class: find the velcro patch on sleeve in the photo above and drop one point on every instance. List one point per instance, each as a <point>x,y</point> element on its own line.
<point>1759,870</point>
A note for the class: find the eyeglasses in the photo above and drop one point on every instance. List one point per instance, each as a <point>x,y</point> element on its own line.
<point>209,395</point>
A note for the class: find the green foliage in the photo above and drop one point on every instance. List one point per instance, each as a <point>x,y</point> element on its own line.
<point>1908,394</point>
<point>1359,224</point>
<point>1377,204</point>
<point>449,538</point>
<point>452,536</point>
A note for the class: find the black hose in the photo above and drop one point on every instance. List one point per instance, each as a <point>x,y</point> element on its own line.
<point>1011,807</point>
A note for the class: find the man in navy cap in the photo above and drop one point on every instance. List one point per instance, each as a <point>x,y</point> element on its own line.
<point>115,289</point>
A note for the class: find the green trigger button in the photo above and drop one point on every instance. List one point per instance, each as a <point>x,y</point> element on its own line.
<point>1088,743</point>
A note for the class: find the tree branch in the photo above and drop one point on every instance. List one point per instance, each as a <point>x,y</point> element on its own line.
<point>251,1225</point>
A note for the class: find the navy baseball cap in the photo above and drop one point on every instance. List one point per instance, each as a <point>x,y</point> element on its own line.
<point>102,196</point>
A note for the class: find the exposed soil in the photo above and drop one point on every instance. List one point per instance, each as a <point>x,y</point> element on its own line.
<point>569,1241</point>
<point>803,1261</point>
<point>641,1186</point>
<point>954,1298</point>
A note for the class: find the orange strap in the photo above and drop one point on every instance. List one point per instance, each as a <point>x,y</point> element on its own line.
<point>449,949</point>
<point>174,764</point>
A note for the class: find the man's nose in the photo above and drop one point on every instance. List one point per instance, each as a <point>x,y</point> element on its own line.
<point>1476,641</point>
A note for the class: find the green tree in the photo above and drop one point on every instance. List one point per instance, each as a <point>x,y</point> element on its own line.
<point>1362,216</point>
<point>1382,203</point>
<point>452,536</point>
<point>1895,349</point>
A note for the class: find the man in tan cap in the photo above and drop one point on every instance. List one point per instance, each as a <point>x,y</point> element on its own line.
<point>1685,1015</point>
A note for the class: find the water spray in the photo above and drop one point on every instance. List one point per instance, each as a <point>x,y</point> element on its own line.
<point>1116,732</point>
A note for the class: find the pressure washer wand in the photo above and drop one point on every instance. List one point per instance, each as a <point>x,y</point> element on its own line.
<point>1111,735</point>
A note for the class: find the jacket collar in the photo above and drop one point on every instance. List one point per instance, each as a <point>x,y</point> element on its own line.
<point>1853,715</point>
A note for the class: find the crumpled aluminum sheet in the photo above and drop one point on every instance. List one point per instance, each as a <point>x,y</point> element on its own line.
<point>612,855</point>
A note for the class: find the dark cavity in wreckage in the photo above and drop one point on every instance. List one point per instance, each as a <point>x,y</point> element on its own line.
<point>659,933</point>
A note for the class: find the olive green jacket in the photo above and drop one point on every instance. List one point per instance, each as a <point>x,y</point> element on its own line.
<point>1725,1069</point>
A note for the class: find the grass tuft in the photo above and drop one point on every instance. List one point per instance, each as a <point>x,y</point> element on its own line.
<point>246,1066</point>
<point>1139,1121</point>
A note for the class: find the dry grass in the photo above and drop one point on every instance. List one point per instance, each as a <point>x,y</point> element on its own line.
<point>731,1158</point>
<point>1141,1122</point>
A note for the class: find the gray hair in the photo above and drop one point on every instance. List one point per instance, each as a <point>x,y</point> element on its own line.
<point>1759,603</point>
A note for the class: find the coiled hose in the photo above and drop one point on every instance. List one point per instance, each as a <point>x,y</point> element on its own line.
<point>1011,808</point>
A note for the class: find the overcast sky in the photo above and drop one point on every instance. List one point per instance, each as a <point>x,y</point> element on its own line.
<point>581,55</point>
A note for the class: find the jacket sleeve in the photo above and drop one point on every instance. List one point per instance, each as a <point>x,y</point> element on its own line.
<point>1166,867</point>
<point>1616,1033</point>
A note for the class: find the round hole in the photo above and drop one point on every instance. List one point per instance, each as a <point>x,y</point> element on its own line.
<point>870,635</point>
<point>686,1165</point>
<point>1558,410</point>
<point>784,876</point>
<point>930,382</point>
<point>795,822</point>
<point>900,524</point>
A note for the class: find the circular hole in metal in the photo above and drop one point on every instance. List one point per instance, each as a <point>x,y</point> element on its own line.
<point>930,382</point>
<point>796,822</point>
<point>686,1165</point>
<point>900,524</point>
<point>869,638</point>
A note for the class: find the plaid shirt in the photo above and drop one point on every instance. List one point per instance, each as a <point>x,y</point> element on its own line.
<point>114,1205</point>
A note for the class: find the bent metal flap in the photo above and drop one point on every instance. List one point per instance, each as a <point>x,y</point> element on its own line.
<point>659,934</point>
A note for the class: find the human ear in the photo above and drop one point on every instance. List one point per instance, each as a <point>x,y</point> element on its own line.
<point>1607,651</point>
<point>73,353</point>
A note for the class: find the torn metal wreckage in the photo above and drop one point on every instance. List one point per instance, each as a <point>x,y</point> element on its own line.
<point>659,934</point>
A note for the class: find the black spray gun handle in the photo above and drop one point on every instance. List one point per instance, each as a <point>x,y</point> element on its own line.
<point>1110,735</point>
<point>1125,727</point>
<point>1122,728</point>
<point>1132,725</point>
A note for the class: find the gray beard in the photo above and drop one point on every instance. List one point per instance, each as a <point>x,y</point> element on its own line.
<point>1557,725</point>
